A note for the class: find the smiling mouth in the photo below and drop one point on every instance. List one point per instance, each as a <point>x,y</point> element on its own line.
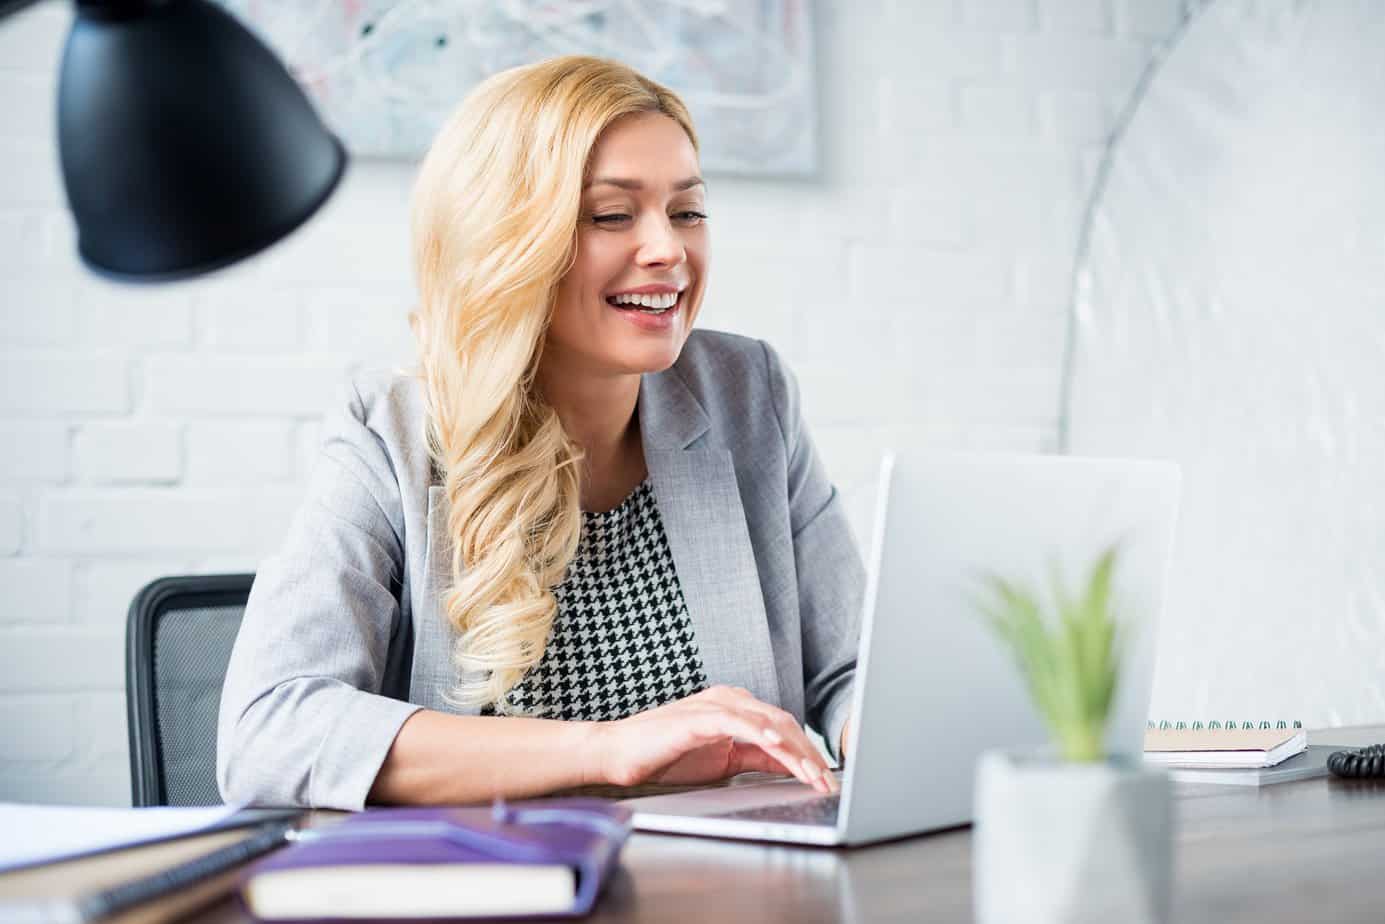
<point>646,304</point>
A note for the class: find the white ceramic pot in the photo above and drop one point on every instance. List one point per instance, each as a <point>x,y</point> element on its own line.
<point>1065,842</point>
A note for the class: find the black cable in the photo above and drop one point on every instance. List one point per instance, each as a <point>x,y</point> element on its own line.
<point>1359,763</point>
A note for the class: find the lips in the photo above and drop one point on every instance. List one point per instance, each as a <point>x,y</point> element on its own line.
<point>653,288</point>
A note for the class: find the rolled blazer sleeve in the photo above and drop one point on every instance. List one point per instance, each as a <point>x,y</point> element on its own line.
<point>302,721</point>
<point>831,577</point>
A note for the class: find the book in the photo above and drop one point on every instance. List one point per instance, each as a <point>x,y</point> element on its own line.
<point>37,834</point>
<point>1302,766</point>
<point>540,857</point>
<point>1224,748</point>
<point>148,882</point>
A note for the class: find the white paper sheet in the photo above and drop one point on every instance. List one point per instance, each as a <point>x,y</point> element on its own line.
<point>32,834</point>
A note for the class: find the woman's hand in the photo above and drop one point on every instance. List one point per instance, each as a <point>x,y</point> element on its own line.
<point>706,737</point>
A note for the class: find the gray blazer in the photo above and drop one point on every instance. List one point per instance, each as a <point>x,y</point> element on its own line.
<point>344,636</point>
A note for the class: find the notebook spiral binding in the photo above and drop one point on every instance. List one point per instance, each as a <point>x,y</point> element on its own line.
<point>1212,726</point>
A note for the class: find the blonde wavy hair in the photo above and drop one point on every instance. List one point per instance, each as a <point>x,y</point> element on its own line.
<point>494,223</point>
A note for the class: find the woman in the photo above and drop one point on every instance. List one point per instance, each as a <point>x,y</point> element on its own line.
<point>584,545</point>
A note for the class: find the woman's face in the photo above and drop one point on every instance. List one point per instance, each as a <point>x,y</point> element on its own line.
<point>629,300</point>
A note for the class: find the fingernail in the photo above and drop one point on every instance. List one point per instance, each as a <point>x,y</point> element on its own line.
<point>772,736</point>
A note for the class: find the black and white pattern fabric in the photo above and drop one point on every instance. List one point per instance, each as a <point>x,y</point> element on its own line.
<point>622,641</point>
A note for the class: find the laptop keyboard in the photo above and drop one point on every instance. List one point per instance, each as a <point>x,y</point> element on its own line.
<point>821,811</point>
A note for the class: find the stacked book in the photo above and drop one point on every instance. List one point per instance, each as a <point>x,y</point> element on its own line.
<point>1244,756</point>
<point>76,865</point>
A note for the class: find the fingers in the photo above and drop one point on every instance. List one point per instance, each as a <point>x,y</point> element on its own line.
<point>717,722</point>
<point>777,733</point>
<point>747,758</point>
<point>789,729</point>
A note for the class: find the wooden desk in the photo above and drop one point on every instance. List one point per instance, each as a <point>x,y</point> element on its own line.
<point>1293,852</point>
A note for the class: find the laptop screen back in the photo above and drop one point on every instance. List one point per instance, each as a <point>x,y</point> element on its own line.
<point>937,686</point>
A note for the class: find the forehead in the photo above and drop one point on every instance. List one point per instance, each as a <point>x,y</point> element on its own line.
<point>646,146</point>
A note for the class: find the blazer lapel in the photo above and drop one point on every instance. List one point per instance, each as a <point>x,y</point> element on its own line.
<point>700,504</point>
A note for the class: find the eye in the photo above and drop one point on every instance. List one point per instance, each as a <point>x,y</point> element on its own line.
<point>690,217</point>
<point>611,219</point>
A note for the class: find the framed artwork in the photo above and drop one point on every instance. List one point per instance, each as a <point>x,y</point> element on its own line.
<point>385,74</point>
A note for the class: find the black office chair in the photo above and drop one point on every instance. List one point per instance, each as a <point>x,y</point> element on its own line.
<point>177,644</point>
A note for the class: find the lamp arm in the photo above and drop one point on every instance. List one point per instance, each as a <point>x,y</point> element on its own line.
<point>13,6</point>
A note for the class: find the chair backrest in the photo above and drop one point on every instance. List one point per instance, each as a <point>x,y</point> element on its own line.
<point>177,644</point>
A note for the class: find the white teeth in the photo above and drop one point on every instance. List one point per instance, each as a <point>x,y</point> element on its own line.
<point>659,302</point>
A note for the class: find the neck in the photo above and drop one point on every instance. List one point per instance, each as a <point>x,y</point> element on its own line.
<point>597,411</point>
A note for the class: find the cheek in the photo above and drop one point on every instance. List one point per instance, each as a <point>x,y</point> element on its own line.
<point>599,260</point>
<point>697,248</point>
<point>569,314</point>
<point>699,261</point>
<point>582,285</point>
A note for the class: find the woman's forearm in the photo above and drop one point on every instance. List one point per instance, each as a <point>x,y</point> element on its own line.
<point>440,759</point>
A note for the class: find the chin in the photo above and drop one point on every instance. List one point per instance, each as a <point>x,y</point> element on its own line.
<point>651,357</point>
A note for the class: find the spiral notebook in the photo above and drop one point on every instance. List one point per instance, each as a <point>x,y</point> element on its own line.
<point>1238,753</point>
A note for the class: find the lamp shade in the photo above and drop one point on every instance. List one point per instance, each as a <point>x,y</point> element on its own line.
<point>185,144</point>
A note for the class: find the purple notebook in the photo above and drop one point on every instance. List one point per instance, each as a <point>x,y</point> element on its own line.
<point>425,863</point>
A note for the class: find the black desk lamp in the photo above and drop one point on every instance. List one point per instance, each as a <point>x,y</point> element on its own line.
<point>185,144</point>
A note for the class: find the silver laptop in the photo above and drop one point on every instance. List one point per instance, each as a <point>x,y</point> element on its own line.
<point>934,688</point>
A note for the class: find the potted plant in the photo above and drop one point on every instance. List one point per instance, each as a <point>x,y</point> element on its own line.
<point>1073,833</point>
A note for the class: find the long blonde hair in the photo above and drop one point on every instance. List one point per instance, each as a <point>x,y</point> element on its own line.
<point>494,214</point>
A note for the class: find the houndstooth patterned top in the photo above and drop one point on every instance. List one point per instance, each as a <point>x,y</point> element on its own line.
<point>622,641</point>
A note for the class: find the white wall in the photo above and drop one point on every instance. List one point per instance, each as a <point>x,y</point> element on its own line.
<point>146,432</point>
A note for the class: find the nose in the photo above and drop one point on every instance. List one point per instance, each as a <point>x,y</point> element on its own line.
<point>659,243</point>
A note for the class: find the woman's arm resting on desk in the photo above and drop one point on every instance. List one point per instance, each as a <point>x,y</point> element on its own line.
<point>438,758</point>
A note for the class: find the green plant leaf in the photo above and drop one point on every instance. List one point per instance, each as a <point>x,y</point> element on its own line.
<point>1070,659</point>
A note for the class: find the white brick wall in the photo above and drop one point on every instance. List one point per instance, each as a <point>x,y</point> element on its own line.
<point>266,320</point>
<point>11,528</point>
<point>65,658</point>
<point>143,452</point>
<point>50,383</point>
<point>241,452</point>
<point>299,386</point>
<point>1076,15</point>
<point>43,313</point>
<point>125,316</point>
<point>148,431</point>
<point>33,450</point>
<point>35,590</point>
<point>166,522</point>
<point>104,587</point>
<point>39,729</point>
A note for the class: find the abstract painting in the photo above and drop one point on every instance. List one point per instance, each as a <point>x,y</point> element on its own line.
<point>385,74</point>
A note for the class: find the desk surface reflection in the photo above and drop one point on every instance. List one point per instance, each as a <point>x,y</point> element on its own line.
<point>1311,850</point>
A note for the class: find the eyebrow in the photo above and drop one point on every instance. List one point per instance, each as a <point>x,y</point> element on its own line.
<point>681,185</point>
